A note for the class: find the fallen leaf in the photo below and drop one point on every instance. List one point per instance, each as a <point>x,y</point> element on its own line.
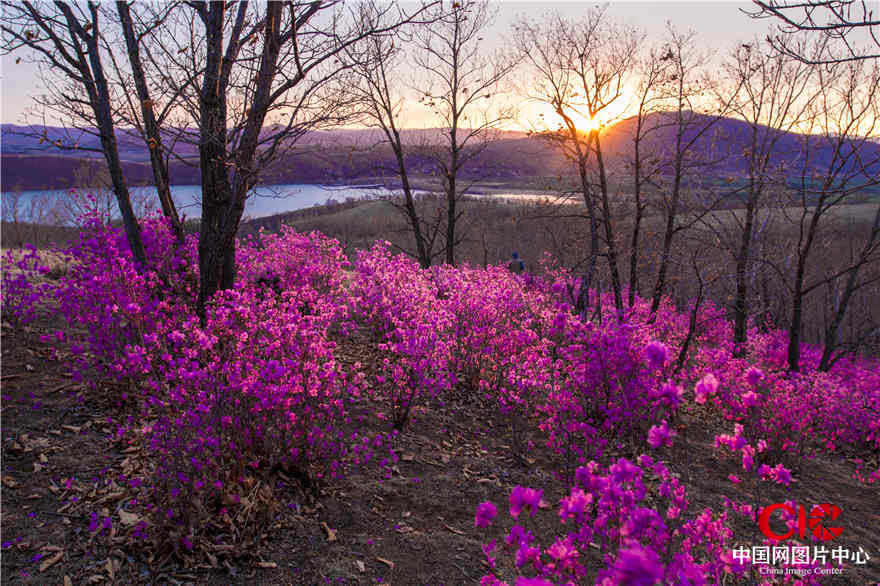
<point>388,563</point>
<point>454,530</point>
<point>67,580</point>
<point>49,562</point>
<point>267,565</point>
<point>37,466</point>
<point>9,482</point>
<point>331,533</point>
<point>360,566</point>
<point>407,457</point>
<point>128,518</point>
<point>43,459</point>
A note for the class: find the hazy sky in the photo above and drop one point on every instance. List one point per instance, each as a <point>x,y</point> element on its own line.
<point>718,24</point>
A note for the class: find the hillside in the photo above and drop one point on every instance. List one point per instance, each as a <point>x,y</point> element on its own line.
<point>349,155</point>
<point>373,422</point>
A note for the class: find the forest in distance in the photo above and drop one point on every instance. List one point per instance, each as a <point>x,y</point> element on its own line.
<point>585,302</point>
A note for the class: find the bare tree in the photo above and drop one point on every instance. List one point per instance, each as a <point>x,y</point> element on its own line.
<point>66,39</point>
<point>462,87</point>
<point>840,159</point>
<point>854,281</point>
<point>850,28</point>
<point>772,94</point>
<point>254,79</point>
<point>148,123</point>
<point>382,105</point>
<point>690,117</point>
<point>581,69</point>
<point>652,74</point>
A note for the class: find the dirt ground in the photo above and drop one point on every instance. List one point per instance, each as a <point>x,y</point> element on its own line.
<point>61,460</point>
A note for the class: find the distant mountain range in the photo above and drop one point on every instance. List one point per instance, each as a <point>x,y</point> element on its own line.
<point>355,154</point>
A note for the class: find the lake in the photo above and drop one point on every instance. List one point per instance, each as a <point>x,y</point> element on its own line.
<point>53,206</point>
<point>265,200</point>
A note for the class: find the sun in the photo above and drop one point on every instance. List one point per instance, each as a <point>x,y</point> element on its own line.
<point>544,116</point>
<point>586,124</point>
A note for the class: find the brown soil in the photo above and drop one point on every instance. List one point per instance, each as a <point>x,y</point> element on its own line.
<point>60,461</point>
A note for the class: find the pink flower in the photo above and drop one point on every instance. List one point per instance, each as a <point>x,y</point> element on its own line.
<point>749,399</point>
<point>486,511</point>
<point>657,354</point>
<point>564,553</point>
<point>524,497</point>
<point>779,474</point>
<point>670,392</point>
<point>708,385</point>
<point>528,554</point>
<point>487,550</point>
<point>754,376</point>
<point>748,459</point>
<point>734,478</point>
<point>660,435</point>
<point>638,566</point>
<point>575,504</point>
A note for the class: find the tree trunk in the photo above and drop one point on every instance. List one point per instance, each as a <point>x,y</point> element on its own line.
<point>797,300</point>
<point>104,118</point>
<point>740,304</point>
<point>216,190</point>
<point>409,203</point>
<point>637,221</point>
<point>671,212</point>
<point>593,256</point>
<point>609,229</point>
<point>151,126</point>
<point>833,328</point>
<point>794,330</point>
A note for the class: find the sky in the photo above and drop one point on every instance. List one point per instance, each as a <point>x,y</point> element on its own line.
<point>719,25</point>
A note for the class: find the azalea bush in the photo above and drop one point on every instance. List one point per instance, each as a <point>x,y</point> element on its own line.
<point>642,531</point>
<point>258,386</point>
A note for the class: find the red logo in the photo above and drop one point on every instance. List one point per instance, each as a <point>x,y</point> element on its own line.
<point>814,522</point>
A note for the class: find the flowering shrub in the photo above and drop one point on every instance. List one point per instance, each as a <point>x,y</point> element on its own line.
<point>22,283</point>
<point>642,531</point>
<point>258,386</point>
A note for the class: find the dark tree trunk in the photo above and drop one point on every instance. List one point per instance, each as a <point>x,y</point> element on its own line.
<point>831,331</point>
<point>593,254</point>
<point>151,126</point>
<point>797,300</point>
<point>450,219</point>
<point>740,304</point>
<point>671,213</point>
<point>216,190</point>
<point>609,229</point>
<point>409,203</point>
<point>95,82</point>
<point>796,325</point>
<point>637,221</point>
<point>223,199</point>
